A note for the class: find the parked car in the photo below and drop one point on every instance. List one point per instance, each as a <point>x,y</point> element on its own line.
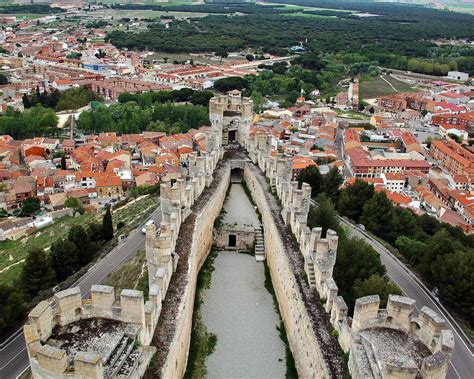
<point>361,227</point>
<point>149,222</point>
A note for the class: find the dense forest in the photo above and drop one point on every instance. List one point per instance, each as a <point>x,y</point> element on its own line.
<point>29,8</point>
<point>398,35</point>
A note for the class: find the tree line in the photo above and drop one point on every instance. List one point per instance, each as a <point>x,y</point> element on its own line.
<point>184,95</point>
<point>400,37</point>
<point>132,118</point>
<point>30,8</point>
<point>41,270</point>
<point>34,122</point>
<point>441,254</point>
<point>70,99</point>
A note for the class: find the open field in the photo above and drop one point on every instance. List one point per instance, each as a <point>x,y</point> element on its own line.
<point>20,16</point>
<point>293,7</point>
<point>132,215</point>
<point>168,4</point>
<point>377,86</point>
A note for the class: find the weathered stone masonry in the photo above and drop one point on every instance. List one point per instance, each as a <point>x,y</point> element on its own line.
<point>397,342</point>
<point>130,352</point>
<point>315,350</point>
<point>194,243</point>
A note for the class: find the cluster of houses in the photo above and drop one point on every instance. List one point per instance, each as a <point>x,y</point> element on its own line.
<point>306,134</point>
<point>437,180</point>
<point>39,58</point>
<point>95,169</point>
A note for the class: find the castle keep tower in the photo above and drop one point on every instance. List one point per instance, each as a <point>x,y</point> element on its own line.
<point>231,116</point>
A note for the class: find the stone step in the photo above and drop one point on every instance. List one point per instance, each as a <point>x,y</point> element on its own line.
<point>117,351</point>
<point>259,257</point>
<point>369,354</point>
<point>115,368</point>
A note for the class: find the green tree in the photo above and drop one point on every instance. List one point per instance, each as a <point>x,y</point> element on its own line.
<point>454,275</point>
<point>331,183</point>
<point>78,236</point>
<point>411,249</point>
<point>107,225</point>
<point>12,306</point>
<point>63,163</point>
<point>95,232</point>
<point>292,96</point>
<point>439,245</point>
<point>231,83</point>
<point>324,215</point>
<point>355,259</point>
<point>378,215</point>
<point>75,204</point>
<point>406,223</point>
<point>37,273</point>
<point>30,206</point>
<point>3,79</point>
<point>376,285</point>
<point>64,259</point>
<point>353,197</point>
<point>313,177</point>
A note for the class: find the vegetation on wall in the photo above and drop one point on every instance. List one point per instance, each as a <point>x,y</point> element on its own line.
<point>202,341</point>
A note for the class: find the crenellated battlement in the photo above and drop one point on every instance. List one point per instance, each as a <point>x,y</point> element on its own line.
<point>233,114</point>
<point>129,318</point>
<point>396,342</point>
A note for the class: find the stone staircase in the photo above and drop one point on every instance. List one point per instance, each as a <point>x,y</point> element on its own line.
<point>310,272</point>
<point>368,351</point>
<point>259,245</point>
<point>118,356</point>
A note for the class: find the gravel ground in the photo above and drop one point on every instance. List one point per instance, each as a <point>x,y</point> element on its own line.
<point>239,209</point>
<point>239,310</point>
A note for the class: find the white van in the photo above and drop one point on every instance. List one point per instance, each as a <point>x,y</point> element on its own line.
<point>149,222</point>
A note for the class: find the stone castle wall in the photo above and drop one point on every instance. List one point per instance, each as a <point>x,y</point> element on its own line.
<point>176,361</point>
<point>319,259</point>
<point>309,359</point>
<point>176,251</point>
<point>176,201</point>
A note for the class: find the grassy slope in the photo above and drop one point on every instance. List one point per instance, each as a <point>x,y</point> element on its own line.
<point>378,87</point>
<point>131,215</point>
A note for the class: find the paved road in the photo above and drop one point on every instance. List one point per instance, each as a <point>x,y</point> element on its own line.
<point>462,363</point>
<point>340,153</point>
<point>13,355</point>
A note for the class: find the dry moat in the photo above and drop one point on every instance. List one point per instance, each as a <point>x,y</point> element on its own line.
<point>239,310</point>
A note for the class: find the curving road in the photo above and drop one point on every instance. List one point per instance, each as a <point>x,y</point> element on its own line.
<point>13,355</point>
<point>462,362</point>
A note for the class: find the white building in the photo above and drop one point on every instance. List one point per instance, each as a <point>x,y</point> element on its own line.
<point>457,75</point>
